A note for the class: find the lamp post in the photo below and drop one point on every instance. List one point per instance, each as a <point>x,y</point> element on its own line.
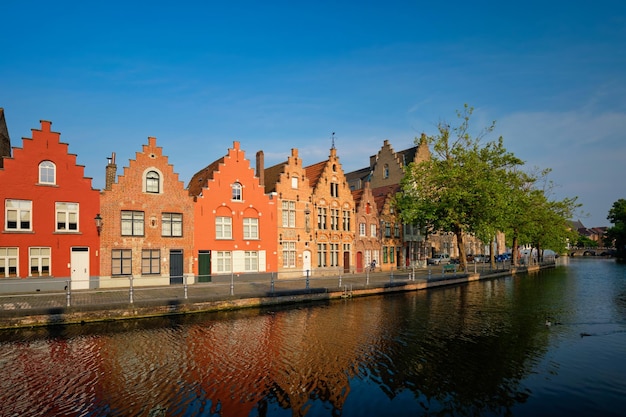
<point>98,221</point>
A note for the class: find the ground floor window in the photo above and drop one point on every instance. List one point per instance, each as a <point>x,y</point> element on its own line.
<point>121,262</point>
<point>8,262</point>
<point>385,254</point>
<point>223,261</point>
<point>251,261</point>
<point>289,254</point>
<point>392,252</point>
<point>39,262</point>
<point>334,254</point>
<point>150,261</point>
<point>321,255</point>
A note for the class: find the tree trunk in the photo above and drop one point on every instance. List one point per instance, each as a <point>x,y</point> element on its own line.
<point>458,231</point>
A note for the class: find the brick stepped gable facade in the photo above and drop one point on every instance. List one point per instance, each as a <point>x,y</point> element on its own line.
<point>367,242</point>
<point>288,183</point>
<point>148,223</point>
<point>235,220</point>
<point>48,216</point>
<point>332,216</point>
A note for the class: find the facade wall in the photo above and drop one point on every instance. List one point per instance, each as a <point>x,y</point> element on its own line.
<point>293,213</point>
<point>234,252</point>
<point>149,216</point>
<point>333,237</point>
<point>367,246</point>
<point>55,218</point>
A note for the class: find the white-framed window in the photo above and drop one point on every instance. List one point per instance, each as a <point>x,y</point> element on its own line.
<point>361,229</point>
<point>346,220</point>
<point>223,261</point>
<point>251,261</point>
<point>289,254</point>
<point>121,262</point>
<point>237,192</point>
<point>386,171</point>
<point>373,230</point>
<point>250,228</point>
<point>153,182</point>
<point>321,255</point>
<point>132,223</point>
<point>18,215</point>
<point>334,254</point>
<point>67,217</point>
<point>39,262</point>
<point>289,213</point>
<point>334,219</point>
<point>150,261</point>
<point>321,218</point>
<point>294,182</point>
<point>172,224</point>
<point>9,262</point>
<point>223,227</point>
<point>47,172</point>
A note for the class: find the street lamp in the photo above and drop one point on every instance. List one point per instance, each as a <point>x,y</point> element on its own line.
<point>98,221</point>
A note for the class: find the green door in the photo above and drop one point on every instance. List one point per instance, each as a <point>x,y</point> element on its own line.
<point>204,266</point>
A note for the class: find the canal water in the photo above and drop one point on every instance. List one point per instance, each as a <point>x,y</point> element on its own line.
<point>546,344</point>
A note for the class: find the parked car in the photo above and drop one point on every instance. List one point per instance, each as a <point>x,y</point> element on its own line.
<point>440,259</point>
<point>503,257</point>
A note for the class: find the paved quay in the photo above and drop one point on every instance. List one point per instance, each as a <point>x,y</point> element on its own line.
<point>49,307</point>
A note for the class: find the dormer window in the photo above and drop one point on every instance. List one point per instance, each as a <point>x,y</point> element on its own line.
<point>47,171</point>
<point>153,182</point>
<point>237,190</point>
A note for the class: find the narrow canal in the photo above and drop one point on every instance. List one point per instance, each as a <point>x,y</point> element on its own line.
<point>550,343</point>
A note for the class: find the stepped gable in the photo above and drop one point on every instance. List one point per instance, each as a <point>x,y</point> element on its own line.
<point>201,178</point>
<point>5,140</point>
<point>357,195</point>
<point>272,175</point>
<point>381,194</point>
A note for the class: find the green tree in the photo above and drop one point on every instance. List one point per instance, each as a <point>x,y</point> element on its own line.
<point>616,235</point>
<point>461,188</point>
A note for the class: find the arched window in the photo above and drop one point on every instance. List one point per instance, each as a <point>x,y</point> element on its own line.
<point>153,182</point>
<point>47,172</point>
<point>237,188</point>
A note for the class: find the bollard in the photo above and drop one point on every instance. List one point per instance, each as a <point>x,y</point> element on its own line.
<point>272,283</point>
<point>367,277</point>
<point>339,280</point>
<point>232,283</point>
<point>68,290</point>
<point>307,279</point>
<point>131,290</point>
<point>185,287</point>
<point>391,276</point>
<point>429,272</point>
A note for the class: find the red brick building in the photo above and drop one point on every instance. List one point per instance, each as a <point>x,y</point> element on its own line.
<point>48,228</point>
<point>235,221</point>
<point>148,217</point>
<point>367,234</point>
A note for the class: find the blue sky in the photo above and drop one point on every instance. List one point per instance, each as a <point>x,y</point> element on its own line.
<point>199,75</point>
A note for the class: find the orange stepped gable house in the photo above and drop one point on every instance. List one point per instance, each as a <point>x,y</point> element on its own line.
<point>332,217</point>
<point>235,221</point>
<point>289,185</point>
<point>367,240</point>
<point>147,223</point>
<point>48,231</point>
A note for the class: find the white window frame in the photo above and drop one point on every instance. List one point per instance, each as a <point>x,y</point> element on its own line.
<point>289,213</point>
<point>40,258</point>
<point>66,216</point>
<point>251,261</point>
<point>361,229</point>
<point>47,172</point>
<point>223,261</point>
<point>153,182</point>
<point>20,212</point>
<point>237,192</point>
<point>373,230</point>
<point>223,227</point>
<point>294,182</point>
<point>289,254</point>
<point>251,228</point>
<point>9,259</point>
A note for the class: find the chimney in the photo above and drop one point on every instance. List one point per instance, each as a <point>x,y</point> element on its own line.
<point>260,169</point>
<point>111,171</point>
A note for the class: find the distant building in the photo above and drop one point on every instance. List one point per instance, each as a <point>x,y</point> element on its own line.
<point>5,140</point>
<point>48,228</point>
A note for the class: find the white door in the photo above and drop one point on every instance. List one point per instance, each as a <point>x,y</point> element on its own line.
<point>306,262</point>
<point>79,264</point>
